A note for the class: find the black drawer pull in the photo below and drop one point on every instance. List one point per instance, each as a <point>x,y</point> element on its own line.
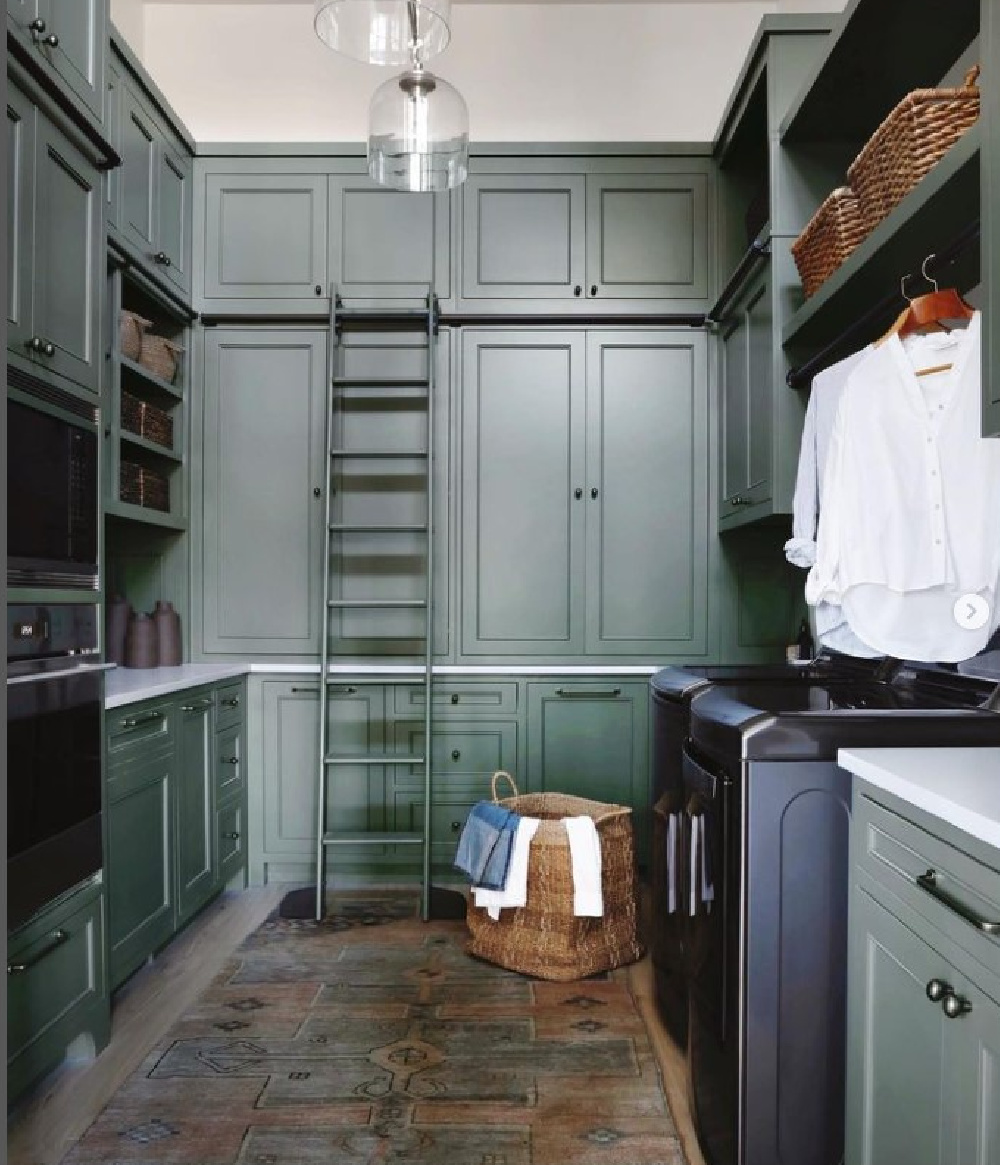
<point>200,706</point>
<point>454,697</point>
<point>232,702</point>
<point>455,754</point>
<point>230,760</point>
<point>592,694</point>
<point>58,938</point>
<point>928,883</point>
<point>231,836</point>
<point>343,691</point>
<point>456,826</point>
<point>145,718</point>
<point>301,691</point>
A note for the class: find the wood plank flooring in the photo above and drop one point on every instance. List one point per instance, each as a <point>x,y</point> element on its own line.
<point>43,1129</point>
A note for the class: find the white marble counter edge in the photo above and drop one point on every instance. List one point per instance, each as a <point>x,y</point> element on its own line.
<point>130,686</point>
<point>867,764</point>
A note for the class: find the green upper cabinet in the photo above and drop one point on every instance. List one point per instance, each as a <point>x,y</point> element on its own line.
<point>596,234</point>
<point>584,493</point>
<point>68,38</point>
<point>54,211</point>
<point>195,832</point>
<point>646,493</point>
<point>264,235</point>
<point>387,244</point>
<point>523,509</point>
<point>264,480</point>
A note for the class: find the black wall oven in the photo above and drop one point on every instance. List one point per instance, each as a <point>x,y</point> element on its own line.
<point>55,700</point>
<point>52,486</point>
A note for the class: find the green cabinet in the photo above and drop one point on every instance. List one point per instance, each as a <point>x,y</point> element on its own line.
<point>923,1017</point>
<point>261,581</point>
<point>195,833</point>
<point>584,493</point>
<point>54,230</point>
<point>57,987</point>
<point>67,39</point>
<point>587,233</point>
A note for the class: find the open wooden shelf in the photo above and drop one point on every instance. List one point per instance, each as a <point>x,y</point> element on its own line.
<point>932,215</point>
<point>144,443</point>
<point>145,515</point>
<point>135,369</point>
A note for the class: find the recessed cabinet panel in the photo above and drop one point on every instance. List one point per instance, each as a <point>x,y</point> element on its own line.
<point>524,236</point>
<point>522,493</point>
<point>72,43</point>
<point>264,479</point>
<point>647,236</point>
<point>20,215</point>
<point>138,177</point>
<point>195,834</point>
<point>646,493</point>
<point>174,216</point>
<point>265,236</point>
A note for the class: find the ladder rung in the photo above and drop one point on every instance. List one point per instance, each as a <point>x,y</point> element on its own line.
<point>381,678</point>
<point>373,315</point>
<point>378,453</point>
<point>362,528</point>
<point>401,603</point>
<point>346,837</point>
<point>370,382</point>
<point>369,759</point>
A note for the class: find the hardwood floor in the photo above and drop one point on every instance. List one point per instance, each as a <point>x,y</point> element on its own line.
<point>44,1128</point>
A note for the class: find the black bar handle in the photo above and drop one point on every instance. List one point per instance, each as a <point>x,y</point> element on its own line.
<point>928,883</point>
<point>58,938</point>
<point>759,249</point>
<point>588,693</point>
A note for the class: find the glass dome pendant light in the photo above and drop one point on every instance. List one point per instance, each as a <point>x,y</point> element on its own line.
<point>384,32</point>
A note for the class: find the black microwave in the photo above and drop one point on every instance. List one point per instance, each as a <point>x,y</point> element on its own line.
<point>53,505</point>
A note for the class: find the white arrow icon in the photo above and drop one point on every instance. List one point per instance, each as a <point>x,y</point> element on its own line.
<point>971,612</point>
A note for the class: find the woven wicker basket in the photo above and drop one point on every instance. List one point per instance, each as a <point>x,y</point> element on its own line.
<point>908,144</point>
<point>131,413</point>
<point>141,486</point>
<point>161,356</point>
<point>130,332</point>
<point>544,938</point>
<point>828,238</point>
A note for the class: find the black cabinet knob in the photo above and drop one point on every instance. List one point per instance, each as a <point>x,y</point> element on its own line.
<point>594,492</point>
<point>578,493</point>
<point>593,289</point>
<point>37,26</point>
<point>955,1006</point>
<point>317,492</point>
<point>230,760</point>
<point>937,989</point>
<point>455,754</point>
<point>162,258</point>
<point>231,836</point>
<point>318,289</point>
<point>48,348</point>
<point>578,290</point>
<point>454,697</point>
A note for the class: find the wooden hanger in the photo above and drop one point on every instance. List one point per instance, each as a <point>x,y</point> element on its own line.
<point>926,312</point>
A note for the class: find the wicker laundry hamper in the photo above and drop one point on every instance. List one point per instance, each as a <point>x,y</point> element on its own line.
<point>544,938</point>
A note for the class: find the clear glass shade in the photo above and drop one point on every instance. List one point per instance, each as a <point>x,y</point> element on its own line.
<point>384,32</point>
<point>418,133</point>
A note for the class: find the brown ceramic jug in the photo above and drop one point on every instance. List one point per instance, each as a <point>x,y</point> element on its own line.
<point>168,634</point>
<point>140,642</point>
<point>118,615</point>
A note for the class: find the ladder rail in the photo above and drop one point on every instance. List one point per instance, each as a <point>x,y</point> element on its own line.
<point>425,876</point>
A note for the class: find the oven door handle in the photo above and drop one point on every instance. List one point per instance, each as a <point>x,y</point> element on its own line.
<point>82,669</point>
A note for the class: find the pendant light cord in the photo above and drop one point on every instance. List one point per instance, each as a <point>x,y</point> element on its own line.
<point>411,7</point>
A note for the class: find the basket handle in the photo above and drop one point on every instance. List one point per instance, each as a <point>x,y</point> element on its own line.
<point>971,77</point>
<point>493,784</point>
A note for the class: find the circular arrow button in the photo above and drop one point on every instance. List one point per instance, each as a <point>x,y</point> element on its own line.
<point>971,612</point>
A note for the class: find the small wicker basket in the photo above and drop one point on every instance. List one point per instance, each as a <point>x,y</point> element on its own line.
<point>131,328</point>
<point>142,486</point>
<point>131,413</point>
<point>908,144</point>
<point>828,238</point>
<point>161,356</point>
<point>544,938</point>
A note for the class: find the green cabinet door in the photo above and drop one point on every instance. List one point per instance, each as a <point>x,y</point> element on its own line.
<point>137,146</point>
<point>173,216</point>
<point>647,237</point>
<point>747,393</point>
<point>195,826</point>
<point>265,234</point>
<point>113,102</point>
<point>72,43</point>
<point>646,496</point>
<point>21,121</point>
<point>591,738</point>
<point>522,496</point>
<point>900,1100</point>
<point>524,236</point>
<point>264,477</point>
<point>139,866</point>
<point>977,1071</point>
<point>387,244</point>
<point>68,241</point>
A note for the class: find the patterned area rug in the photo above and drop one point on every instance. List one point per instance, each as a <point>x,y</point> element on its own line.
<point>372,1037</point>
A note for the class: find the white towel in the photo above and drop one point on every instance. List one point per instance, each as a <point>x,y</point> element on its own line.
<point>515,893</point>
<point>585,856</point>
<point>672,870</point>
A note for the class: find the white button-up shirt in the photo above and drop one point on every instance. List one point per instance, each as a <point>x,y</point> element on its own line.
<point>910,521</point>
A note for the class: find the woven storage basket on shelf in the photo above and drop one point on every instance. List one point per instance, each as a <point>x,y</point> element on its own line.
<point>544,938</point>
<point>908,144</point>
<point>131,413</point>
<point>130,332</point>
<point>141,486</point>
<point>161,356</point>
<point>828,238</point>
<point>157,426</point>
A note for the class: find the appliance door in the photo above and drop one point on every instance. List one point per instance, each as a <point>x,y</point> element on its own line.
<point>711,860</point>
<point>54,726</point>
<point>52,491</point>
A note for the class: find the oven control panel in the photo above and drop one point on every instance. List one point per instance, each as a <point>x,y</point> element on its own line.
<point>57,629</point>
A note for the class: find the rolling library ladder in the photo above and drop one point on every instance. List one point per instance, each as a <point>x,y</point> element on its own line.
<point>349,394</point>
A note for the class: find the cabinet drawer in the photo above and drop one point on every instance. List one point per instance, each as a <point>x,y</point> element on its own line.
<point>228,762</point>
<point>951,889</point>
<point>464,698</point>
<point>55,985</point>
<point>229,703</point>
<point>468,751</point>
<point>448,813</point>
<point>138,724</point>
<point>231,838</point>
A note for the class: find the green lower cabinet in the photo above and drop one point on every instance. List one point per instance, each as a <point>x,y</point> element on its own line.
<point>140,873</point>
<point>449,809</point>
<point>591,738</point>
<point>195,832</point>
<point>57,988</point>
<point>231,838</point>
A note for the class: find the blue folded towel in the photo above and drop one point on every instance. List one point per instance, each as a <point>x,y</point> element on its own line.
<point>486,843</point>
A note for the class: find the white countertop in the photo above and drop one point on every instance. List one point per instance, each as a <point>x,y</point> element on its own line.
<point>128,685</point>
<point>958,785</point>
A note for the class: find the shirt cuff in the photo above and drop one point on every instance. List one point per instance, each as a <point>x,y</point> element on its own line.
<point>801,552</point>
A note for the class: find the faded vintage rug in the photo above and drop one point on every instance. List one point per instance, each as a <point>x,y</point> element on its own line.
<point>372,1037</point>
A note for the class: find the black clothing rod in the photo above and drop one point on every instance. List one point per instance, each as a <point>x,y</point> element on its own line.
<point>473,320</point>
<point>797,377</point>
<point>758,249</point>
